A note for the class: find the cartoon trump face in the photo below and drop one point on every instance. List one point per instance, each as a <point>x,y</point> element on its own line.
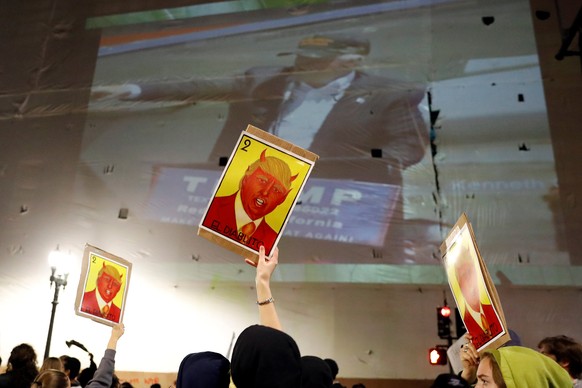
<point>108,282</point>
<point>265,185</point>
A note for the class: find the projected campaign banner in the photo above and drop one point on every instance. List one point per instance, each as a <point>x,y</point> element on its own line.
<point>334,210</point>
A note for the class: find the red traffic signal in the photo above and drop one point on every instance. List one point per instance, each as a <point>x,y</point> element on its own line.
<point>437,355</point>
<point>443,322</point>
<point>445,311</point>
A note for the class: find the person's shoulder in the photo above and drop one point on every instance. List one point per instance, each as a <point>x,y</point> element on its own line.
<point>5,380</point>
<point>488,309</point>
<point>265,227</point>
<point>223,200</point>
<point>391,82</point>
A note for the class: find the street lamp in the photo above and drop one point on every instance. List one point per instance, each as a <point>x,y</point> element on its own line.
<point>59,263</point>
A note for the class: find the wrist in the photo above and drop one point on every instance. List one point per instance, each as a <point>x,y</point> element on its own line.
<point>263,302</point>
<point>262,282</point>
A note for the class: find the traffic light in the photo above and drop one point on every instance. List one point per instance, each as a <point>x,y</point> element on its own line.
<point>444,321</point>
<point>438,355</point>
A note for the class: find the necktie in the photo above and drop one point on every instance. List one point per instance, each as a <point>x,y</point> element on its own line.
<point>105,311</point>
<point>248,229</point>
<point>485,324</point>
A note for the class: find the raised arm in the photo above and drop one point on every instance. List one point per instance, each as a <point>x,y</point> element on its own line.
<point>200,89</point>
<point>104,374</point>
<point>265,302</point>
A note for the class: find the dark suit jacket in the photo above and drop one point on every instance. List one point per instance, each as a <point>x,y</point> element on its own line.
<point>221,218</point>
<point>91,306</point>
<point>479,336</point>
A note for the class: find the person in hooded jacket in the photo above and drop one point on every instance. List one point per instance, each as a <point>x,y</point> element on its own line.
<point>315,373</point>
<point>520,367</point>
<point>204,370</point>
<point>264,357</point>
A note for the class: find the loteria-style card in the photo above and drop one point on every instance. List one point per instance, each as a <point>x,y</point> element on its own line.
<point>256,193</point>
<point>102,290</point>
<point>472,288</point>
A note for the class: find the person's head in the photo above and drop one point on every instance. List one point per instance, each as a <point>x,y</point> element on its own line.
<point>52,363</point>
<point>155,385</point>
<point>51,378</point>
<point>358,385</point>
<point>85,376</point>
<point>329,55</point>
<point>449,380</point>
<point>332,366</point>
<point>519,367</point>
<point>126,384</point>
<point>515,339</point>
<point>115,381</point>
<point>265,185</point>
<point>264,357</point>
<point>315,373</point>
<point>22,356</point>
<point>204,370</point>
<point>108,282</point>
<point>467,277</point>
<point>22,365</point>
<point>565,351</point>
<point>71,366</point>
<point>489,373</point>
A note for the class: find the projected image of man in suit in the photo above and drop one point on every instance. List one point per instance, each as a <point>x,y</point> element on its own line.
<point>325,101</point>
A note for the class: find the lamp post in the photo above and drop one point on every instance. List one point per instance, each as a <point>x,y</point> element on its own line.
<point>59,274</point>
